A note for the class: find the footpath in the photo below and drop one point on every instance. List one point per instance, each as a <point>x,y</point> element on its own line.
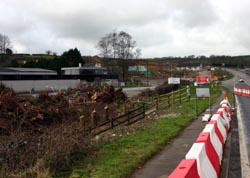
<point>163,163</point>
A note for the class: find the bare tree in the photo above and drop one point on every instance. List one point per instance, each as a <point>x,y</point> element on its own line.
<point>4,43</point>
<point>48,52</point>
<point>105,47</point>
<point>137,53</point>
<point>117,45</point>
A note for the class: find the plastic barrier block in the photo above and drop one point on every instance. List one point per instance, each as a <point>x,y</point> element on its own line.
<point>206,117</point>
<point>220,126</point>
<point>225,101</point>
<point>219,118</point>
<point>187,168</point>
<point>248,92</point>
<point>214,140</point>
<point>224,112</point>
<point>218,131</point>
<point>205,168</point>
<point>228,106</point>
<point>227,109</point>
<point>224,117</point>
<point>236,91</point>
<point>204,137</point>
<point>244,92</point>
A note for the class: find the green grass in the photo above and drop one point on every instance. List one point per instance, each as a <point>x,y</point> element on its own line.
<point>132,85</point>
<point>119,158</point>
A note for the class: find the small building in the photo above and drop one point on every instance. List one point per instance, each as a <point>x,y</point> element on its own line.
<point>24,80</point>
<point>137,68</point>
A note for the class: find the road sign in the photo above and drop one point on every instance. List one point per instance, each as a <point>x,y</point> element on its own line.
<point>172,80</point>
<point>202,79</point>
<point>202,92</point>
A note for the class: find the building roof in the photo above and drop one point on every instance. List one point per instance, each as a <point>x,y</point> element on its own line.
<point>84,68</point>
<point>25,71</point>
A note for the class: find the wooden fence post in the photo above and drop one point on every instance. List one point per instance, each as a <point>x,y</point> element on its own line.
<point>128,116</point>
<point>172,97</point>
<point>106,108</point>
<point>144,110</point>
<point>188,92</point>
<point>124,107</point>
<point>94,118</point>
<point>81,121</point>
<point>112,122</point>
<point>169,104</point>
<point>180,95</point>
<point>157,102</point>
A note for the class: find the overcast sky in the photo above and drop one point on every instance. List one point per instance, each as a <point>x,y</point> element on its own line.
<point>160,27</point>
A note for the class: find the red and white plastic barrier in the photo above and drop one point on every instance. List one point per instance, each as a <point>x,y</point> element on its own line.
<point>211,153</point>
<point>218,117</point>
<point>205,168</point>
<point>243,91</point>
<point>238,90</point>
<point>186,169</point>
<point>209,128</point>
<point>219,130</point>
<point>208,150</point>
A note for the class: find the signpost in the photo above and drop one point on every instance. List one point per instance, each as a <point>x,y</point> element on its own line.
<point>173,80</point>
<point>202,93</point>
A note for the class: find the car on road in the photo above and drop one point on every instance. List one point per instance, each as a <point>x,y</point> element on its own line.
<point>241,80</point>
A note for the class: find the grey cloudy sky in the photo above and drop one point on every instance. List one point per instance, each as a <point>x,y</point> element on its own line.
<point>160,27</point>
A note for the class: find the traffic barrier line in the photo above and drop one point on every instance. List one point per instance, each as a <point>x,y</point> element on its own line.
<point>209,146</point>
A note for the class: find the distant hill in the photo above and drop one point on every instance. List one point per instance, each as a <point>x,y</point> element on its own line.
<point>153,63</point>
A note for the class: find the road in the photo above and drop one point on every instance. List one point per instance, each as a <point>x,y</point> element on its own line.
<point>238,155</point>
<point>130,92</point>
<point>242,105</point>
<point>136,90</point>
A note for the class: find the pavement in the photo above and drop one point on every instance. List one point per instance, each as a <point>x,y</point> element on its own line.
<point>164,162</point>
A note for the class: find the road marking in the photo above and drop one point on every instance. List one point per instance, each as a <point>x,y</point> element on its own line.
<point>245,169</point>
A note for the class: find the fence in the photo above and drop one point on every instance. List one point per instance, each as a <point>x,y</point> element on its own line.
<point>169,99</point>
<point>143,108</point>
<point>126,119</point>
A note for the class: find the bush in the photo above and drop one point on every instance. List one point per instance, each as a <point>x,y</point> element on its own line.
<point>165,88</point>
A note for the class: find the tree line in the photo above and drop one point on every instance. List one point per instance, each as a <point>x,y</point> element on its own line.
<point>70,58</point>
